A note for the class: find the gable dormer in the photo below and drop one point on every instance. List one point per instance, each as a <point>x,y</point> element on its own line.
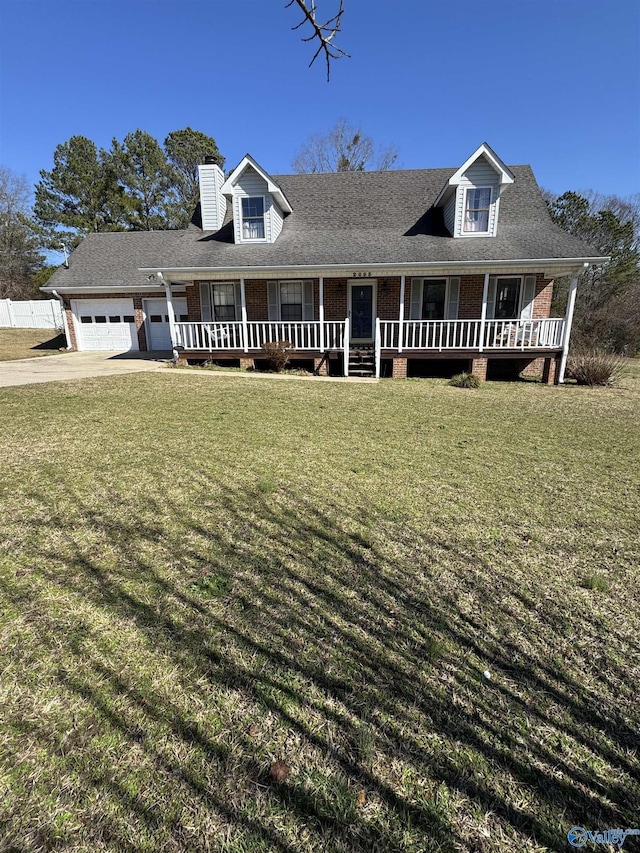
<point>259,205</point>
<point>470,200</point>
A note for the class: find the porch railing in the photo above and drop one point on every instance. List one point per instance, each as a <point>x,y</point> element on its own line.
<point>410,335</point>
<point>209,336</point>
<point>470,334</point>
<point>523,334</point>
<point>212,337</point>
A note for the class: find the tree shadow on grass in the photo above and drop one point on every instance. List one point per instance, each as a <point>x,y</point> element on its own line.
<point>333,643</point>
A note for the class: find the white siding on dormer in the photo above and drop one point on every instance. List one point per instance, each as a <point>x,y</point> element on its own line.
<point>251,184</point>
<point>449,214</point>
<point>277,220</point>
<point>479,174</point>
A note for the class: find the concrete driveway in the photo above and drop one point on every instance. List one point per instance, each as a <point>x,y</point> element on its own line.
<point>78,365</point>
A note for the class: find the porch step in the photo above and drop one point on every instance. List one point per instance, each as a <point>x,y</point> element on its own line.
<point>362,362</point>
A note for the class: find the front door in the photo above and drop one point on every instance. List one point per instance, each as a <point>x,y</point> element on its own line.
<point>362,297</point>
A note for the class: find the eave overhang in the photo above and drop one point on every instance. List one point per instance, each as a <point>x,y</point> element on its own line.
<point>550,267</point>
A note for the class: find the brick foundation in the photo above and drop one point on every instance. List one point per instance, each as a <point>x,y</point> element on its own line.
<point>321,368</point>
<point>534,368</point>
<point>399,368</point>
<point>551,371</point>
<point>246,363</point>
<point>479,368</point>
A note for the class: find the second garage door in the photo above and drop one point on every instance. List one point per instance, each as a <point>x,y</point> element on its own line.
<point>105,324</point>
<point>158,320</point>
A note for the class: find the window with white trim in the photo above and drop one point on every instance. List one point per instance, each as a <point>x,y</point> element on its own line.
<point>435,298</point>
<point>291,301</point>
<point>252,208</point>
<point>219,301</point>
<point>511,297</point>
<point>476,210</point>
<point>224,302</point>
<point>507,305</point>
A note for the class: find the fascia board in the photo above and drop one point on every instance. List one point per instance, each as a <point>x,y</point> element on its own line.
<point>506,175</point>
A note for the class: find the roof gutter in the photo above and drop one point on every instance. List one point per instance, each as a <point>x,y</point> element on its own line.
<point>562,263</point>
<point>87,288</point>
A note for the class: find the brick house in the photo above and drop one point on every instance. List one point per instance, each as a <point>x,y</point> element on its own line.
<point>396,273</point>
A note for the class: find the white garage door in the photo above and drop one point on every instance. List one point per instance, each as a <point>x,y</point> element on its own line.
<point>105,324</point>
<point>158,320</point>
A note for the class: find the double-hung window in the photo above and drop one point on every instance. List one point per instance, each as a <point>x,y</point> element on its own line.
<point>291,301</point>
<point>219,301</point>
<point>224,302</point>
<point>476,210</point>
<point>435,298</point>
<point>434,295</point>
<point>252,217</point>
<point>507,298</point>
<point>511,297</point>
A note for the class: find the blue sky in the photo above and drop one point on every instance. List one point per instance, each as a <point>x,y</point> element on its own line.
<point>553,83</point>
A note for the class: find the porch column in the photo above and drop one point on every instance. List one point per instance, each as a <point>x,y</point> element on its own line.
<point>243,310</point>
<point>347,333</point>
<point>483,311</point>
<point>568,320</point>
<point>321,310</point>
<point>171,314</point>
<point>401,313</point>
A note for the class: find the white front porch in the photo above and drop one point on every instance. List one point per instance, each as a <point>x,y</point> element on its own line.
<point>391,337</point>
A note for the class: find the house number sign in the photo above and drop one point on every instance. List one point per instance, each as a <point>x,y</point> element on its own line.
<point>362,275</point>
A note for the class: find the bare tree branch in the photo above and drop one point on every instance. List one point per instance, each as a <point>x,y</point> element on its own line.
<point>345,148</point>
<point>324,33</point>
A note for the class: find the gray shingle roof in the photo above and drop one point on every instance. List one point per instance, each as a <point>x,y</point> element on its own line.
<point>344,218</point>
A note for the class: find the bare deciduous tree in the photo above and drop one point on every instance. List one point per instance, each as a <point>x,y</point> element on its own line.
<point>20,258</point>
<point>345,148</point>
<point>323,33</point>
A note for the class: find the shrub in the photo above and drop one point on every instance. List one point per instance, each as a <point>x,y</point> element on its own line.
<point>277,354</point>
<point>595,367</point>
<point>465,380</point>
<point>595,582</point>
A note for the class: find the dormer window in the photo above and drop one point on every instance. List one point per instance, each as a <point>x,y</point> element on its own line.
<point>476,211</point>
<point>470,200</point>
<point>253,218</point>
<point>258,204</point>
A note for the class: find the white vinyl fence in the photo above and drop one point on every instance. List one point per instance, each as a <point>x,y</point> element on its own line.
<point>33,314</point>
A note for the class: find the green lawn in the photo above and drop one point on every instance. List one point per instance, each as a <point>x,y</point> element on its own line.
<point>28,343</point>
<point>201,575</point>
